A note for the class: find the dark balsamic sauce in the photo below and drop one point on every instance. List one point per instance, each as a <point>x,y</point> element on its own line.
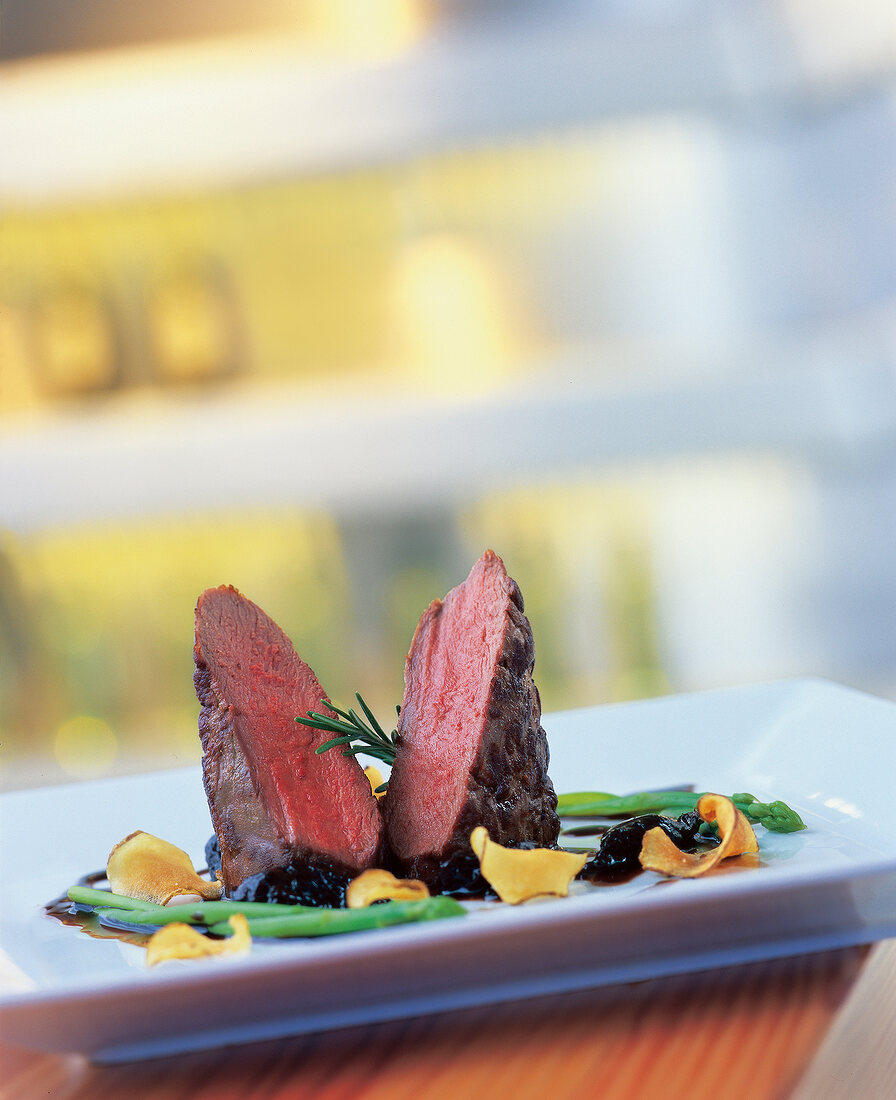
<point>85,919</point>
<point>314,881</point>
<point>618,857</point>
<point>213,856</point>
<point>459,876</point>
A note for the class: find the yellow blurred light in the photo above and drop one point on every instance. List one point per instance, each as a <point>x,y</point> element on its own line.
<point>190,328</point>
<point>17,383</point>
<point>85,746</point>
<point>75,343</point>
<point>453,319</point>
<point>365,28</point>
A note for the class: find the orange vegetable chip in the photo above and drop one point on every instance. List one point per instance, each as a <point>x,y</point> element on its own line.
<point>658,853</point>
<point>143,866</point>
<point>181,941</point>
<point>375,885</point>
<point>375,777</point>
<point>520,874</point>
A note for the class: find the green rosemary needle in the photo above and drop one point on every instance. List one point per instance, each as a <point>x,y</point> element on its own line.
<point>356,733</point>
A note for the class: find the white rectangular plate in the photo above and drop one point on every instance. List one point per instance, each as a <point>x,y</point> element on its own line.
<point>828,751</point>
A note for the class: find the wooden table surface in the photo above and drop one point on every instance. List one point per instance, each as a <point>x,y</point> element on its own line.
<point>810,1027</point>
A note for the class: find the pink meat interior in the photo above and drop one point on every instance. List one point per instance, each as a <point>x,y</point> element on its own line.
<point>448,679</point>
<point>323,803</point>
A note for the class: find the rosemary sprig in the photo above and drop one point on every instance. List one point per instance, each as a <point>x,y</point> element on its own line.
<point>356,733</point>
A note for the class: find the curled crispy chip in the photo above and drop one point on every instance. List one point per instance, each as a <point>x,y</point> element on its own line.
<point>519,874</point>
<point>143,866</point>
<point>658,853</point>
<point>375,885</point>
<point>182,941</point>
<point>375,777</point>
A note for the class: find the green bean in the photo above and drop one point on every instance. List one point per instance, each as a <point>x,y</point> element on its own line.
<point>328,922</point>
<point>775,816</point>
<point>204,913</point>
<point>599,804</point>
<point>88,895</point>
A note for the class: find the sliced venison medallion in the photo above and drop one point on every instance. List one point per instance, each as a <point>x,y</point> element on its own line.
<point>274,803</point>
<point>471,750</point>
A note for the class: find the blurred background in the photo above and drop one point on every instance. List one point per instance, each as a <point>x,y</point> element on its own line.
<point>323,298</point>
